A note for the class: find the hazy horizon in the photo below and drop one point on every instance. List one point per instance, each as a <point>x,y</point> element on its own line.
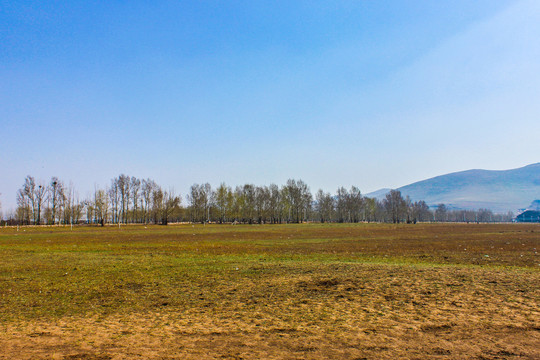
<point>376,95</point>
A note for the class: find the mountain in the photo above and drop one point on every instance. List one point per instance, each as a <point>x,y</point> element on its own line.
<point>535,205</point>
<point>498,190</point>
<point>379,194</point>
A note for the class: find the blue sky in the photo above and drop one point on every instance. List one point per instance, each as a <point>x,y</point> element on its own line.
<point>367,93</point>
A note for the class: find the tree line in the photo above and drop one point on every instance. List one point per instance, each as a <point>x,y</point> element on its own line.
<point>129,200</point>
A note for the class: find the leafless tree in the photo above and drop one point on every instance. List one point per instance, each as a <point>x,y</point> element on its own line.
<point>135,192</point>
<point>276,204</point>
<point>485,215</point>
<point>374,210</point>
<point>24,209</point>
<point>170,204</point>
<point>441,212</point>
<point>262,203</point>
<point>200,199</point>
<point>297,200</point>
<point>341,205</point>
<point>101,206</point>
<point>114,198</point>
<point>57,197</point>
<point>148,187</point>
<point>40,198</point>
<point>73,207</point>
<point>224,202</point>
<point>34,196</point>
<point>325,206</point>
<point>395,206</point>
<point>355,204</point>
<point>124,184</point>
<point>28,191</point>
<point>245,201</point>
<point>420,211</point>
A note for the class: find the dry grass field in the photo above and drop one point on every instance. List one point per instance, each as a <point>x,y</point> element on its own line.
<point>309,291</point>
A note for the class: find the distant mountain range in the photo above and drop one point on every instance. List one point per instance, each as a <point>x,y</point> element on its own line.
<point>498,190</point>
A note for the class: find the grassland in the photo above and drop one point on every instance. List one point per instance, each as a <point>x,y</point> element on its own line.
<point>309,291</point>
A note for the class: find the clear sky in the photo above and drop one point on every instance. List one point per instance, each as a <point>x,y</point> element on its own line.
<point>367,93</point>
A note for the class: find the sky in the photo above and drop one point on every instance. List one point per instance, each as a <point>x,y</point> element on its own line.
<point>376,94</point>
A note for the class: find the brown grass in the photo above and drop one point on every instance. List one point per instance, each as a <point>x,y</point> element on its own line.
<point>366,291</point>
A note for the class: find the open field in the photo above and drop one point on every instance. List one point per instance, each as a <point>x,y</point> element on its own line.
<point>308,291</point>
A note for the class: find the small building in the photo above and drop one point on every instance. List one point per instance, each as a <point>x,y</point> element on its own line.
<point>529,216</point>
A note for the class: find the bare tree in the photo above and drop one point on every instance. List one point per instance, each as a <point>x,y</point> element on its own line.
<point>200,198</point>
<point>100,206</point>
<point>275,204</point>
<point>420,211</point>
<point>324,205</point>
<point>441,212</point>
<point>40,198</point>
<point>374,210</point>
<point>395,206</point>
<point>208,200</point>
<point>124,183</point>
<point>247,195</point>
<point>297,199</point>
<point>157,203</point>
<point>262,203</point>
<point>355,204</point>
<point>29,190</point>
<point>148,187</point>
<point>114,198</point>
<point>24,209</point>
<point>170,204</point>
<point>224,202</point>
<point>71,205</point>
<point>31,196</point>
<point>56,196</point>
<point>341,205</point>
<point>68,204</point>
<point>135,189</point>
<point>485,215</point>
